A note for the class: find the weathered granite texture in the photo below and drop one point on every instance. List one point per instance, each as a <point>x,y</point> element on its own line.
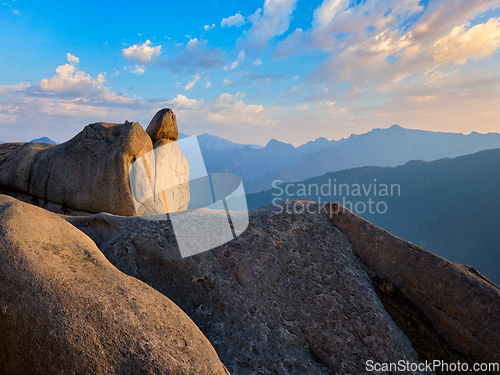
<point>90,173</point>
<point>64,309</point>
<point>463,306</point>
<point>288,296</point>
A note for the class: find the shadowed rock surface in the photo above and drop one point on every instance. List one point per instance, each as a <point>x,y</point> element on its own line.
<point>463,306</point>
<point>288,296</point>
<point>64,309</point>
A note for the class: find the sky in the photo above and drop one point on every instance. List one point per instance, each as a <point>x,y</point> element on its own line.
<point>250,71</point>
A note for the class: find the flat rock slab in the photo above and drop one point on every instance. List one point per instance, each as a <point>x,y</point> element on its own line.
<point>288,296</point>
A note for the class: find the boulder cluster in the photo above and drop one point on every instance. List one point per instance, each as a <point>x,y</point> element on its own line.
<point>90,173</point>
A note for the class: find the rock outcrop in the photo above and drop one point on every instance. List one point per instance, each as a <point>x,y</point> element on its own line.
<point>163,126</point>
<point>463,306</point>
<point>64,309</point>
<point>90,173</point>
<point>288,296</point>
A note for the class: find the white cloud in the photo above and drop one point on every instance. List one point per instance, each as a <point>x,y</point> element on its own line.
<point>464,42</point>
<point>227,82</point>
<point>236,20</point>
<point>61,105</point>
<point>69,84</point>
<point>105,95</point>
<point>5,90</point>
<point>181,102</point>
<point>142,52</point>
<point>191,84</point>
<point>228,109</point>
<point>208,84</point>
<point>272,21</point>
<point>257,62</point>
<point>209,27</point>
<point>327,11</point>
<point>373,43</point>
<point>137,69</point>
<point>68,80</point>
<point>440,16</point>
<point>73,60</point>
<point>241,57</point>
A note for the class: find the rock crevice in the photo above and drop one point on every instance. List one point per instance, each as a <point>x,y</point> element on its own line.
<point>463,306</point>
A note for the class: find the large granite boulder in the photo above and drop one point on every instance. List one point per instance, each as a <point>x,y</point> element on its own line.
<point>16,160</point>
<point>90,173</point>
<point>64,309</point>
<point>288,296</point>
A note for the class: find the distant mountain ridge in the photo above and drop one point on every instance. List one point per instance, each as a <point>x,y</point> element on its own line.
<point>448,206</point>
<point>260,166</point>
<point>216,143</point>
<point>252,164</point>
<point>380,147</point>
<point>44,140</point>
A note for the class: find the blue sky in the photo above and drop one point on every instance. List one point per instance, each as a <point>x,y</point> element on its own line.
<point>250,71</point>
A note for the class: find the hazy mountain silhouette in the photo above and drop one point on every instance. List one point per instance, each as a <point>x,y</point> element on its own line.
<point>251,163</point>
<point>260,166</point>
<point>44,140</point>
<point>448,206</point>
<point>380,147</point>
<point>216,143</point>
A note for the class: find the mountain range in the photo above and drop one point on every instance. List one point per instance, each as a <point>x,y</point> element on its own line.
<point>216,143</point>
<point>259,167</point>
<point>449,206</point>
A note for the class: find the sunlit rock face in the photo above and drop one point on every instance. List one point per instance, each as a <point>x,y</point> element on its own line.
<point>163,126</point>
<point>66,310</point>
<point>90,173</point>
<point>159,181</point>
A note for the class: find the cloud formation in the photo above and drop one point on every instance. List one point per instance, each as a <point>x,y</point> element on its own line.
<point>141,52</point>
<point>465,42</point>
<point>241,57</point>
<point>137,69</point>
<point>70,96</point>
<point>191,83</point>
<point>236,20</point>
<point>68,80</point>
<point>269,22</point>
<point>197,55</point>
